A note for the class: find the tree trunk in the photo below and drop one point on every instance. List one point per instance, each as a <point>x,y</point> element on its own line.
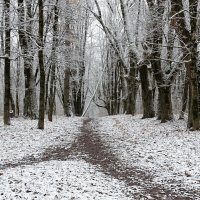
<point>165,103</point>
<point>30,98</point>
<point>12,105</point>
<point>117,90</point>
<point>164,89</point>
<point>132,85</point>
<point>193,115</point>
<point>80,100</point>
<point>184,96</point>
<point>147,93</point>
<point>189,39</point>
<point>131,80</point>
<point>7,64</point>
<point>47,89</point>
<point>41,66</point>
<point>17,103</point>
<point>112,89</point>
<point>79,103</point>
<point>66,101</point>
<point>27,98</point>
<point>17,88</point>
<point>54,60</point>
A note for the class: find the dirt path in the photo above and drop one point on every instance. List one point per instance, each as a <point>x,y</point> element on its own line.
<point>90,147</point>
<point>97,153</point>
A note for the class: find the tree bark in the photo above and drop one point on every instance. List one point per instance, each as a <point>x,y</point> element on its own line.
<point>80,99</point>
<point>12,106</point>
<point>184,96</point>
<point>7,64</point>
<point>66,97</point>
<point>131,80</point>
<point>165,103</point>
<point>132,90</point>
<point>193,115</point>
<point>30,97</point>
<point>147,93</point>
<point>189,39</point>
<point>54,60</point>
<point>164,89</point>
<point>41,66</point>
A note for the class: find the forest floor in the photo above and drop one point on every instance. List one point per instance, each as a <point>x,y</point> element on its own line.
<point>109,158</point>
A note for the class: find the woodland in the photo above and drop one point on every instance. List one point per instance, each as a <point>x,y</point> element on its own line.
<point>99,99</point>
<point>61,56</point>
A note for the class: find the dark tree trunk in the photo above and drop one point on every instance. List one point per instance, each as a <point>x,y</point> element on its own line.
<point>52,94</point>
<point>184,97</point>
<point>7,64</point>
<point>12,105</point>
<point>80,93</point>
<point>53,68</point>
<point>164,89</point>
<point>117,90</point>
<point>52,103</point>
<point>17,104</point>
<point>30,102</point>
<point>7,91</point>
<point>165,103</point>
<point>112,89</point>
<point>164,95</point>
<point>27,97</point>
<point>147,93</point>
<point>41,66</point>
<point>47,89</point>
<point>66,97</point>
<point>131,86</point>
<point>77,99</point>
<point>193,115</point>
<point>79,103</point>
<point>17,88</point>
<point>189,42</point>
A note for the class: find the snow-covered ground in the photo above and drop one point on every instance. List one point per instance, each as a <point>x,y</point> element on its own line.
<point>50,180</point>
<point>56,180</point>
<point>168,151</point>
<point>23,139</point>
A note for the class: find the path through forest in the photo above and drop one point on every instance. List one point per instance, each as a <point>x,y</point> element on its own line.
<point>90,147</point>
<point>93,150</point>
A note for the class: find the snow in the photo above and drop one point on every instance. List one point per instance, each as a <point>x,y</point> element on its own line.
<point>57,180</point>
<point>54,179</point>
<point>23,139</point>
<point>167,150</point>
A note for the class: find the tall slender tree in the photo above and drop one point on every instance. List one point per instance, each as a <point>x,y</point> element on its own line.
<point>189,38</point>
<point>41,66</point>
<point>25,29</point>
<point>156,10</point>
<point>7,63</point>
<point>53,63</point>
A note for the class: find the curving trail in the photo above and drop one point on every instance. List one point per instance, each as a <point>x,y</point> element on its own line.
<point>93,150</point>
<point>90,147</point>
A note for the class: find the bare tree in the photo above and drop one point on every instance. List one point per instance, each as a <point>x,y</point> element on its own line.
<point>53,63</point>
<point>189,40</point>
<point>41,66</point>
<point>7,64</point>
<point>156,10</point>
<point>25,30</point>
